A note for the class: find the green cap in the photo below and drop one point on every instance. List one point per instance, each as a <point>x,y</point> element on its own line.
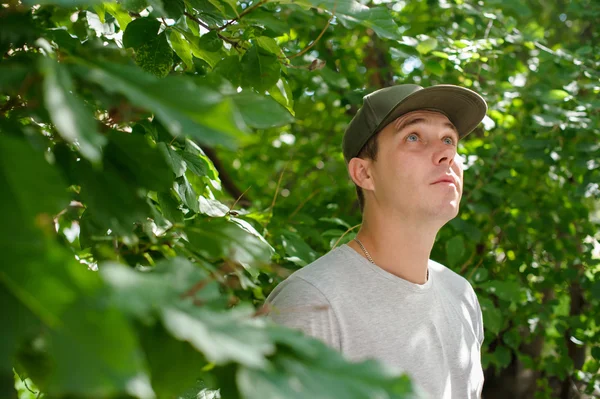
<point>463,107</point>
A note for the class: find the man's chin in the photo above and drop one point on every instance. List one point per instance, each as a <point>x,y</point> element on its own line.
<point>446,212</point>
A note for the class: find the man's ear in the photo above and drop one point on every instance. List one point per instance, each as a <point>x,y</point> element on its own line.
<point>360,173</point>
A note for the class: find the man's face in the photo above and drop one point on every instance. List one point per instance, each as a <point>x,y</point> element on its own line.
<point>418,172</point>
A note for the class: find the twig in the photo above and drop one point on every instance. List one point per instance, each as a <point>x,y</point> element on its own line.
<point>488,29</point>
<point>205,26</point>
<point>318,37</point>
<point>194,289</point>
<point>237,200</point>
<point>346,232</point>
<point>27,386</point>
<point>278,184</point>
<point>246,11</point>
<point>467,263</point>
<point>304,203</point>
<point>475,268</point>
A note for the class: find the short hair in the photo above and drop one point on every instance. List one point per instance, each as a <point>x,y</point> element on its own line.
<point>369,151</point>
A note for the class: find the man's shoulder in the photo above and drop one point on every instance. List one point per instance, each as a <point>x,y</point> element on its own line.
<point>451,280</point>
<point>327,269</point>
<point>315,282</point>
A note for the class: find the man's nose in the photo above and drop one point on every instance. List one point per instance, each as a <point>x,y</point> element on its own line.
<point>444,155</point>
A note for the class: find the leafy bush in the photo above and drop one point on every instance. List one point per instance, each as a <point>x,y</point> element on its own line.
<point>164,164</point>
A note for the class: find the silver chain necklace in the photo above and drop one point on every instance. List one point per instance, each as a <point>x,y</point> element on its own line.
<point>364,250</point>
<point>369,256</point>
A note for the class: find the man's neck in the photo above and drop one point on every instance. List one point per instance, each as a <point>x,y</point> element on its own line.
<point>399,245</point>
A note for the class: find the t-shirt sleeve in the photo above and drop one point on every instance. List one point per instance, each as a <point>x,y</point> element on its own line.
<point>478,318</point>
<point>298,304</point>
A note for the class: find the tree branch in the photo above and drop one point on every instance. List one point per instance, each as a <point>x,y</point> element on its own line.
<point>235,44</point>
<point>228,183</point>
<point>246,11</point>
<point>318,37</point>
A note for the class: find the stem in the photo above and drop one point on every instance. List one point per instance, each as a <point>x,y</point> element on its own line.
<point>318,37</point>
<point>346,232</point>
<point>246,11</point>
<point>205,26</point>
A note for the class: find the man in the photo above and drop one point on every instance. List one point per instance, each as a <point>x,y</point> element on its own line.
<point>380,296</point>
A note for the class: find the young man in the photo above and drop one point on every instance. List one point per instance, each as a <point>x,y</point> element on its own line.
<point>380,296</point>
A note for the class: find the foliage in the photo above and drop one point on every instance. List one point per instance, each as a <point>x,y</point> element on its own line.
<point>165,163</point>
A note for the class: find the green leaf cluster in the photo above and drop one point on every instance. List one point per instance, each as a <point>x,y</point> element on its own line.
<point>164,164</point>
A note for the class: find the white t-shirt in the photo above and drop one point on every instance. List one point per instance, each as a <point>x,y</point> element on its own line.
<point>433,332</point>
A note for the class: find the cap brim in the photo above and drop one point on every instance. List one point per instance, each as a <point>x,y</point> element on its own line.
<point>463,107</point>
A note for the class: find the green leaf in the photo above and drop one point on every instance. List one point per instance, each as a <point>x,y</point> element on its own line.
<point>595,289</point>
<point>233,4</point>
<point>170,207</point>
<point>32,190</point>
<point>168,292</point>
<point>102,340</point>
<point>210,41</point>
<point>63,3</point>
<point>12,75</point>
<point>480,275</point>
<point>507,290</point>
<point>20,324</point>
<point>158,6</point>
<point>260,69</point>
<point>216,3</point>
<point>196,163</point>
<point>434,67</point>
<point>492,316</point>
<point>221,336</point>
<point>351,13</point>
<point>503,356</point>
<point>230,69</point>
<point>191,148</point>
<point>140,31</point>
<point>308,368</point>
<point>72,120</point>
<point>596,352</point>
<point>115,202</point>
<point>440,54</point>
<point>186,193</point>
<point>296,249</point>
<point>174,8</point>
<point>380,20</point>
<point>180,104</point>
<point>182,48</point>
<point>155,56</point>
<point>282,93</point>
<point>212,207</point>
<point>455,249</point>
<point>99,9</point>
<point>427,45</point>
<point>120,14</point>
<point>236,240</point>
<point>211,58</point>
<point>143,293</point>
<point>557,95</point>
<point>269,44</point>
<point>173,158</point>
<point>135,159</point>
<point>261,112</point>
<point>185,362</point>
<point>467,228</point>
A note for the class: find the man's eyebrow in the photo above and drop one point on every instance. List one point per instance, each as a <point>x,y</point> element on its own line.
<point>414,121</point>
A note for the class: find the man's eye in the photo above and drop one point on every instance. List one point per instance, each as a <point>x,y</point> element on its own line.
<point>412,137</point>
<point>449,140</point>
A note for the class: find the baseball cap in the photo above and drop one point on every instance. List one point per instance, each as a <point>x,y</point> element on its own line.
<point>463,107</point>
